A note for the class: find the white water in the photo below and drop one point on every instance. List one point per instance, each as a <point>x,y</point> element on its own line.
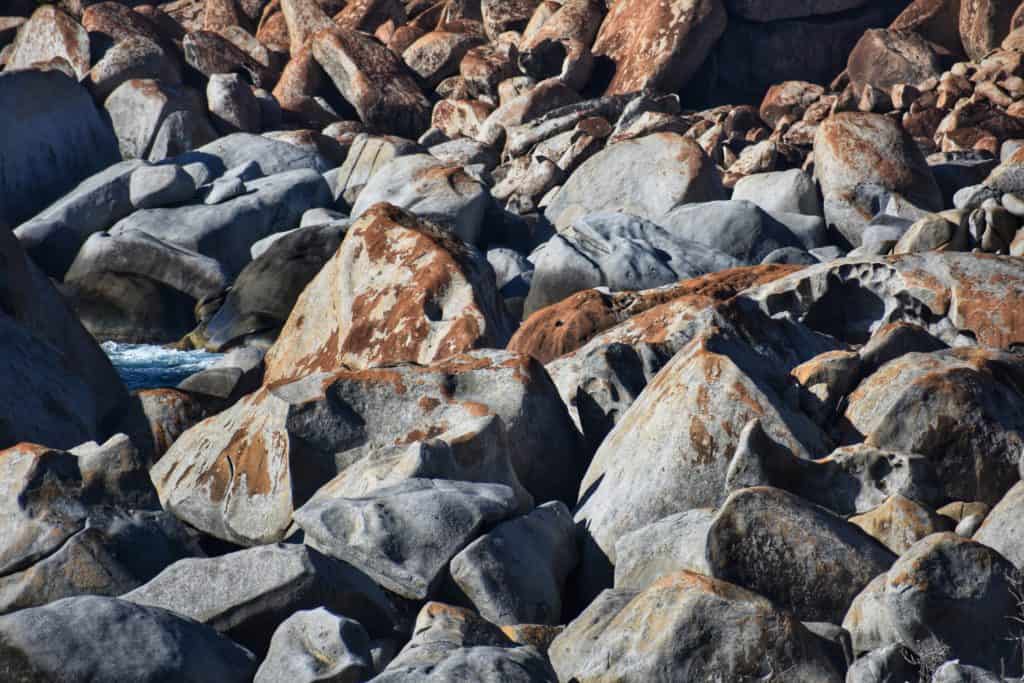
<point>146,366</point>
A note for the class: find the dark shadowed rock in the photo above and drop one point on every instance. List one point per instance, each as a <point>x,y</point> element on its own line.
<point>92,638</point>
<point>1003,529</point>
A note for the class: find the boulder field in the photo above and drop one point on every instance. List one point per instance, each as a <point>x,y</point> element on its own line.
<point>561,341</point>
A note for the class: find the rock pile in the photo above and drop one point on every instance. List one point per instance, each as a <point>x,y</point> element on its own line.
<point>564,340</point>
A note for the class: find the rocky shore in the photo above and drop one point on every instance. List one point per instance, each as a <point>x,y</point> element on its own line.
<point>563,341</point>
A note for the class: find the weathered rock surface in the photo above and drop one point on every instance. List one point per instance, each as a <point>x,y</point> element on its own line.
<point>403,536</point>
<point>713,629</point>
<point>315,645</point>
<point>673,544</point>
<point>515,574</point>
<point>398,290</point>
<point>1002,530</point>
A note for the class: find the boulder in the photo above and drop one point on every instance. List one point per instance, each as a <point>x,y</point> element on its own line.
<point>800,556</point>
<point>444,290</point>
<point>169,413</point>
<point>859,155</point>
<point>673,544</point>
<point>658,45</point>
<point>851,480</point>
<point>92,638</point>
<point>983,25</point>
<point>683,428</point>
<point>315,645</point>
<point>1002,530</point>
<point>232,104</point>
<point>154,120</point>
<point>373,80</point>
<point>403,536</point>
<point>515,573</point>
<point>451,644</point>
<point>49,34</point>
<point>225,231</point>
<point>150,187</point>
<point>969,396</point>
<point>646,177</point>
<point>133,252</point>
<point>134,57</point>
<point>247,594</point>
<point>240,474</point>
<point>501,15</point>
<point>54,237</point>
<point>436,55</point>
<point>264,293</point>
<point>889,663</point>
<point>690,625</point>
<point>947,596</point>
<point>791,191</point>
<point>58,386</point>
<point>617,251</point>
<point>433,190</point>
<point>240,150</point>
<point>789,99</point>
<point>884,59</point>
<point>367,155</point>
<point>61,140</point>
<point>900,522</point>
<point>129,308</point>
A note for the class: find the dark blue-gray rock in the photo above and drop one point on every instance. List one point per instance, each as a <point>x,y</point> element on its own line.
<point>57,387</point>
<point>792,191</point>
<point>150,187</point>
<point>947,598</point>
<point>955,170</point>
<point>223,189</point>
<point>790,256</point>
<point>647,177</point>
<point>513,274</point>
<point>129,308</point>
<point>247,594</point>
<point>366,156</point>
<point>713,631</point>
<point>433,190</point>
<point>618,251</point>
<point>263,294</point>
<point>56,138</point>
<point>737,228</point>
<point>673,544</point>
<point>54,236</point>
<point>451,645</point>
<point>515,573</point>
<point>226,231</point>
<point>800,556</point>
<point>317,645</point>
<point>242,149</point>
<point>93,639</point>
<point>403,536</point>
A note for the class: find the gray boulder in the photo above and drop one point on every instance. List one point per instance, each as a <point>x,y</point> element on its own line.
<point>946,597</point>
<point>792,191</point>
<point>367,155</point>
<point>617,251</point>
<point>1003,528</point>
<point>317,645</point>
<point>646,177</point>
<point>403,536</point>
<point>515,573</point>
<point>247,594</point>
<point>669,452</point>
<point>56,138</point>
<point>800,556</point>
<point>890,664</point>
<point>155,120</point>
<point>150,187</point>
<point>105,640</point>
<point>54,236</point>
<point>713,631</point>
<point>737,228</point>
<point>431,189</point>
<point>451,645</point>
<point>851,480</point>
<point>133,252</point>
<point>240,150</point>
<point>225,232</point>
<point>673,544</point>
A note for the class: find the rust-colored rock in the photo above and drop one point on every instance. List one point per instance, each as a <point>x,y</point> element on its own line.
<point>788,99</point>
<point>368,15</point>
<point>398,290</point>
<point>303,19</point>
<point>984,24</point>
<point>937,21</point>
<point>50,33</point>
<point>566,326</point>
<point>373,80</point>
<point>658,43</point>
